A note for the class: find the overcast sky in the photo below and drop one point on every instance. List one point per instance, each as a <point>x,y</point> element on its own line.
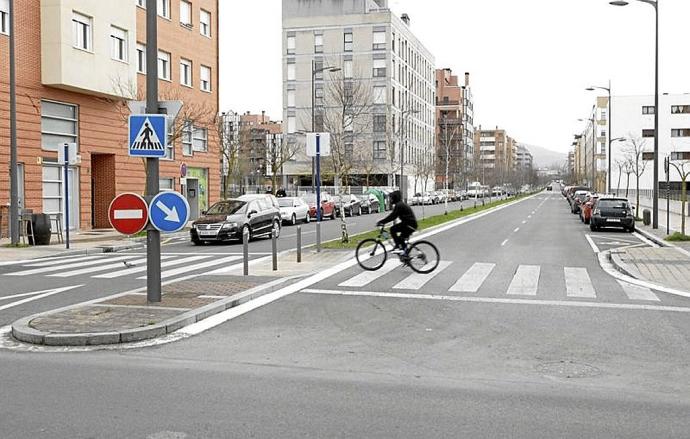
<point>529,60</point>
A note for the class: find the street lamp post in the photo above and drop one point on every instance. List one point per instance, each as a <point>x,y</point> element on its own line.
<point>314,72</point>
<point>655,189</point>
<point>14,180</point>
<point>610,132</point>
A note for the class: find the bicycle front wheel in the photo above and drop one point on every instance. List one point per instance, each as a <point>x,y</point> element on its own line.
<point>423,257</point>
<point>371,254</point>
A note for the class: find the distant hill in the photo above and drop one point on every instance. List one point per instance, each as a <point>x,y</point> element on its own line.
<point>545,158</point>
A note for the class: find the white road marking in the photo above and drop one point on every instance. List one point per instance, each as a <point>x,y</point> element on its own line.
<point>636,292</point>
<point>102,268</point>
<point>34,261</point>
<point>504,243</point>
<point>66,267</point>
<point>592,244</point>
<point>517,229</point>
<point>182,270</point>
<point>134,270</point>
<point>38,295</point>
<point>645,240</point>
<point>416,281</point>
<point>578,283</point>
<point>524,222</point>
<point>64,261</point>
<point>472,280</point>
<point>525,281</point>
<point>529,216</point>
<point>367,277</point>
<point>537,302</point>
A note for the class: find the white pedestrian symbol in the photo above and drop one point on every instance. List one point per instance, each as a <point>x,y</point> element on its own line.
<point>147,139</point>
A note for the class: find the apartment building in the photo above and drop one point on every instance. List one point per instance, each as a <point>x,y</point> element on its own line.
<point>356,70</point>
<point>524,159</point>
<point>261,144</point>
<point>454,130</point>
<point>79,64</point>
<point>495,155</point>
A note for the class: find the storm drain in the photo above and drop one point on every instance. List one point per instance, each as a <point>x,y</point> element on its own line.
<point>568,369</point>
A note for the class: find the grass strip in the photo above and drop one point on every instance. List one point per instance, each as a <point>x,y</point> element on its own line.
<point>426,223</point>
<point>678,237</point>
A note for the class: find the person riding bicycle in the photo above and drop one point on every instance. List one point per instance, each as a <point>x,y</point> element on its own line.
<point>407,225</point>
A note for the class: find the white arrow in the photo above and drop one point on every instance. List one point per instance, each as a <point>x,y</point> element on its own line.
<point>36,296</point>
<point>170,214</point>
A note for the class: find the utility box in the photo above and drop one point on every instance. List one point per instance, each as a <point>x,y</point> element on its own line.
<point>647,217</point>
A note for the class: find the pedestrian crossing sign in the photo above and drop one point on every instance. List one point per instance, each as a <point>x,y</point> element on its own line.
<point>147,135</point>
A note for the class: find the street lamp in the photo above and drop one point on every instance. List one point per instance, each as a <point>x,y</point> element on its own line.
<point>655,189</point>
<point>314,72</point>
<point>403,135</point>
<point>610,131</point>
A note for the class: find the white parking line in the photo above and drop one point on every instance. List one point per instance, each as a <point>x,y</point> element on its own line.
<point>592,244</point>
<point>504,243</point>
<point>517,229</point>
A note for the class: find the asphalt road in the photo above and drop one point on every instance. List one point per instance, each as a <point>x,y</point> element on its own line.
<point>546,345</point>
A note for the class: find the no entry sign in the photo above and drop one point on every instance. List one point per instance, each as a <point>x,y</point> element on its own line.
<point>128,213</point>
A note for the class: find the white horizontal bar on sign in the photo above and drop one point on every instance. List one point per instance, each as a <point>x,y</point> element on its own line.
<point>129,214</point>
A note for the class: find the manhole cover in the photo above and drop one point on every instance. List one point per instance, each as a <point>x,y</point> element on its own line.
<point>568,369</point>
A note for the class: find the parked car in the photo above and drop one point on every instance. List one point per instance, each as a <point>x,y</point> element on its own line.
<point>293,209</point>
<point>587,207</point>
<point>435,199</point>
<point>577,199</point>
<point>327,205</point>
<point>227,220</point>
<point>422,199</point>
<point>612,212</point>
<point>350,205</point>
<point>369,203</point>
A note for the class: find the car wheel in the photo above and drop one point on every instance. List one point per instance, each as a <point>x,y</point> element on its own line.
<point>631,229</point>
<point>294,219</point>
<point>275,229</point>
<point>197,242</point>
<point>586,220</point>
<point>359,212</point>
<point>592,227</point>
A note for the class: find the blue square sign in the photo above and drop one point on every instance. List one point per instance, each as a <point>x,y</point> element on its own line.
<point>148,135</point>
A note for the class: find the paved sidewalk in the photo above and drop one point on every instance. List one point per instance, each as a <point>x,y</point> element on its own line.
<point>664,266</point>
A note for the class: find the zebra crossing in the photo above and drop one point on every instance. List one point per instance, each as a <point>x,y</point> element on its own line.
<point>525,281</point>
<point>120,266</point>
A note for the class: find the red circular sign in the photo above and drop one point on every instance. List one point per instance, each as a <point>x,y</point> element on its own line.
<point>128,213</point>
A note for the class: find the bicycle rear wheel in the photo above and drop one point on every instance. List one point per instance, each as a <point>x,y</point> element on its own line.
<point>371,254</point>
<point>423,257</point>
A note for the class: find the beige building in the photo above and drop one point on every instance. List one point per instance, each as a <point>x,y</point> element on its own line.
<point>496,156</point>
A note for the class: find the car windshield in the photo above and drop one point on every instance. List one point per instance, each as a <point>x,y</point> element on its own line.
<point>227,208</point>
<point>613,204</point>
<point>285,202</point>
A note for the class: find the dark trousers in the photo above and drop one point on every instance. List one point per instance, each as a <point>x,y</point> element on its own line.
<point>400,233</point>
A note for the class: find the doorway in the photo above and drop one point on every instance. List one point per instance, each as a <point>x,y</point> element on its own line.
<point>102,189</point>
<point>193,197</point>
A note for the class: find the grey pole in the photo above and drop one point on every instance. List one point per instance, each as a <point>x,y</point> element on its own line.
<point>14,184</point>
<point>594,150</point>
<point>655,201</point>
<point>313,123</point>
<point>318,237</point>
<point>245,250</point>
<point>153,237</point>
<point>274,250</point>
<point>299,244</point>
<point>608,170</point>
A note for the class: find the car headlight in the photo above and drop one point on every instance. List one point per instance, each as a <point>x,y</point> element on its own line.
<point>227,226</point>
<point>597,212</point>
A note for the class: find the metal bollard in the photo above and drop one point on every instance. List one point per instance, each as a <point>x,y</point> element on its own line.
<point>299,244</point>
<point>245,250</point>
<point>318,237</point>
<point>274,249</point>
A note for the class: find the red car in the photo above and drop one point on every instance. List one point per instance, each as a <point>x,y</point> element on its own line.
<point>327,205</point>
<point>587,208</point>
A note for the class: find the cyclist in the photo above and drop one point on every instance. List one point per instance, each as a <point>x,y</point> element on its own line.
<point>407,225</point>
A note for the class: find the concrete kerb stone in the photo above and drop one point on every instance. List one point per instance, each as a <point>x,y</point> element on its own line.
<point>619,271</point>
<point>661,242</point>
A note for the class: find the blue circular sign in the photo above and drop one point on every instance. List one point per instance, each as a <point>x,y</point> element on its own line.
<point>169,212</point>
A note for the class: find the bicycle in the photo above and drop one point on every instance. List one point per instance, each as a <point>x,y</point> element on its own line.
<point>421,256</point>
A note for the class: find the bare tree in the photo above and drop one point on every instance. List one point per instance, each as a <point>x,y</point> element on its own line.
<point>230,138</point>
<point>620,164</point>
<point>447,140</point>
<point>682,166</point>
<point>628,169</point>
<point>366,162</point>
<point>278,152</point>
<point>635,152</point>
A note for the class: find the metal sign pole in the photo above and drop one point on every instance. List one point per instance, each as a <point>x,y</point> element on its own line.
<point>153,237</point>
<point>668,194</point>
<point>318,192</point>
<point>66,149</point>
<point>14,179</point>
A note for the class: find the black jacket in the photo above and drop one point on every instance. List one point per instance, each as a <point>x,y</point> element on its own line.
<point>404,213</point>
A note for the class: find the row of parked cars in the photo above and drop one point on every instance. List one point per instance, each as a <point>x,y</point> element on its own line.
<point>437,197</point>
<point>600,210</point>
<point>264,214</point>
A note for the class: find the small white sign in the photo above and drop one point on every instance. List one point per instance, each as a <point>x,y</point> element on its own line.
<point>71,151</point>
<point>324,144</point>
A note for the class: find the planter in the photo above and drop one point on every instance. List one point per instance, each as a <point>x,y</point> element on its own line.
<point>42,229</point>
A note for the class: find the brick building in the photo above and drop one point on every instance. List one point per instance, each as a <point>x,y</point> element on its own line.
<point>78,64</point>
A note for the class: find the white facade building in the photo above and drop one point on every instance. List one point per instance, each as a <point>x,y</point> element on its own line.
<point>376,51</point>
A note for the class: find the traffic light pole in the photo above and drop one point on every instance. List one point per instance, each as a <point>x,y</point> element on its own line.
<point>153,236</point>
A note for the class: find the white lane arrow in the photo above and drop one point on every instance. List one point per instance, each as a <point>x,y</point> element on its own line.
<point>36,296</point>
<point>170,214</point>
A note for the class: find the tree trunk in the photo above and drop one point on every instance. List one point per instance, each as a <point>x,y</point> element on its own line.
<point>618,188</point>
<point>684,200</point>
<point>627,186</point>
<point>637,195</point>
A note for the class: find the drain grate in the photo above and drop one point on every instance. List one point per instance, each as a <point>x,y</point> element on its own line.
<point>568,369</point>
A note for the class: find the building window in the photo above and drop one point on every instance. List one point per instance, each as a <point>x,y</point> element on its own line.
<point>185,13</point>
<point>680,132</point>
<point>200,140</point>
<point>291,73</point>
<point>118,44</point>
<point>4,17</point>
<point>58,125</point>
<point>318,95</point>
<point>185,72</point>
<point>164,8</point>
<point>291,98</point>
<point>187,131</point>
<point>379,68</point>
<point>347,69</point>
<point>647,156</point>
<point>680,155</point>
<point>141,58</point>
<point>166,184</point>
<point>648,109</point>
<point>292,125</point>
<point>379,150</point>
<point>170,148</point>
<point>680,109</point>
<point>291,44</point>
<point>163,65</point>
<point>205,23</point>
<point>379,123</point>
<point>347,42</point>
<point>141,3</point>
<point>648,133</point>
<point>379,41</point>
<point>380,95</point>
<point>318,43</point>
<point>205,78</point>
<point>82,31</point>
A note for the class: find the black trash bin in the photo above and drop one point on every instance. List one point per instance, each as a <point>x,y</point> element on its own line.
<point>647,217</point>
<point>42,229</point>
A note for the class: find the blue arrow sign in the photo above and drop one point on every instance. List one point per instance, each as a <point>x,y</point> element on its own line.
<point>147,135</point>
<point>169,212</point>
